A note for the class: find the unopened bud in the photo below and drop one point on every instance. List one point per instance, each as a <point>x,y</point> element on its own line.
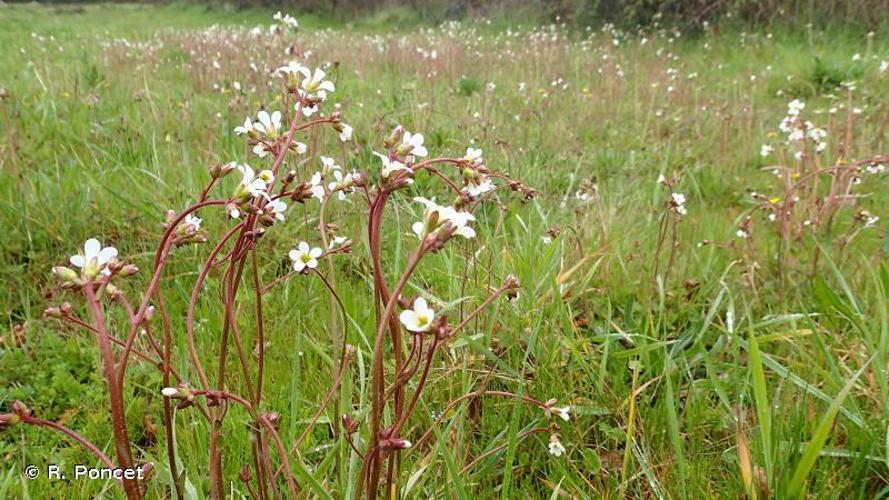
<point>53,312</point>
<point>64,273</point>
<point>128,270</point>
<point>394,138</point>
<point>8,420</point>
<point>220,171</point>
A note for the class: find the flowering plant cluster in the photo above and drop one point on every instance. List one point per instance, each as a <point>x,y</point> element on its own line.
<point>409,330</point>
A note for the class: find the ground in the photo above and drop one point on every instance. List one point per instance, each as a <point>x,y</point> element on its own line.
<point>703,348</point>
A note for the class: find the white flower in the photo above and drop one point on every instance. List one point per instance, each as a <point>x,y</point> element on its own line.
<point>677,203</point>
<point>555,446</point>
<point>277,208</point>
<point>742,234</point>
<point>260,150</point>
<point>336,242</point>
<point>328,164</point>
<point>419,318</point>
<point>474,156</point>
<point>341,193</point>
<point>253,185</point>
<point>413,144</point>
<point>317,188</point>
<point>247,128</point>
<point>765,150</point>
<point>794,107</point>
<point>292,67</point>
<point>269,125</point>
<point>436,215</point>
<point>884,67</point>
<point>315,85</point>
<point>192,223</point>
<point>170,391</point>
<point>346,133</point>
<point>303,257</point>
<point>389,166</point>
<point>476,190</point>
<point>94,257</point>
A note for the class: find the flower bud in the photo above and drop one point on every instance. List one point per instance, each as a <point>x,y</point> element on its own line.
<point>112,291</point>
<point>53,312</point>
<point>349,425</point>
<point>128,270</point>
<point>64,273</point>
<point>8,420</point>
<point>394,138</point>
<point>66,308</point>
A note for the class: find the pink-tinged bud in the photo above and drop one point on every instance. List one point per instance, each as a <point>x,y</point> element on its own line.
<point>170,216</point>
<point>349,425</point>
<point>245,475</point>
<point>149,313</point>
<point>394,138</point>
<point>273,418</point>
<point>350,352</point>
<point>53,312</point>
<point>220,171</point>
<point>8,420</point>
<point>20,409</point>
<point>66,308</point>
<point>65,274</point>
<point>112,291</point>
<point>128,270</point>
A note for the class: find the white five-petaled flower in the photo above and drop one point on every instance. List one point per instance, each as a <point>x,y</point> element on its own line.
<point>328,164</point>
<point>247,128</point>
<point>555,446</point>
<point>419,318</point>
<point>314,83</point>
<point>253,185</point>
<point>94,258</point>
<point>276,208</point>
<point>413,144</point>
<point>292,67</point>
<point>389,166</point>
<point>304,257</point>
<point>268,124</point>
<point>191,223</point>
<point>436,215</point>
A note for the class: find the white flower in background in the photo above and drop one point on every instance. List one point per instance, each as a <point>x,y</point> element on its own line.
<point>94,258</point>
<point>277,209</point>
<point>491,87</point>
<point>474,156</point>
<point>436,215</point>
<point>328,164</point>
<point>794,107</point>
<point>170,392</point>
<point>340,184</point>
<point>286,20</point>
<point>336,242</point>
<point>765,150</point>
<point>304,257</point>
<point>317,188</point>
<point>677,203</point>
<point>884,67</point>
<point>268,125</point>
<point>292,67</point>
<point>740,233</point>
<point>346,133</point>
<point>389,166</point>
<point>419,318</point>
<point>245,129</point>
<point>412,144</point>
<point>555,446</point>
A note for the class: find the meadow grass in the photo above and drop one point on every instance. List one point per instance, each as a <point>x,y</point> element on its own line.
<point>736,366</point>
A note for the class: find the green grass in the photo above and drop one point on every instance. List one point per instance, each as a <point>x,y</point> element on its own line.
<point>101,136</point>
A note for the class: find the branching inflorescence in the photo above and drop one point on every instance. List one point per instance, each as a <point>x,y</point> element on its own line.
<point>408,333</point>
